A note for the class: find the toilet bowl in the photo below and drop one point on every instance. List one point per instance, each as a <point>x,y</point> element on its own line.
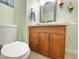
<point>12,49</point>
<point>15,50</point>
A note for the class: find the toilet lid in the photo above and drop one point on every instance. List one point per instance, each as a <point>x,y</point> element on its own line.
<point>15,49</point>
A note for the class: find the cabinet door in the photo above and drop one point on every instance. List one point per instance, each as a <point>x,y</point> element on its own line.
<point>57,46</point>
<point>44,43</point>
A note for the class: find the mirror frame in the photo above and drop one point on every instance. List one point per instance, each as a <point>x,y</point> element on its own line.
<point>54,15</point>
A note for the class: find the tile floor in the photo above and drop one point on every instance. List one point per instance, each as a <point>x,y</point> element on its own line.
<point>35,55</point>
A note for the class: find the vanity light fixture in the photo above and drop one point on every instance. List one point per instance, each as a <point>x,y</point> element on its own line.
<point>70,6</point>
<point>61,3</point>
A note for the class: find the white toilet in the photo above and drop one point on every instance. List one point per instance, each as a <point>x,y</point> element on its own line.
<point>11,48</point>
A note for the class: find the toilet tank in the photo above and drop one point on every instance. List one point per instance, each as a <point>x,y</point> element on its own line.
<point>7,33</point>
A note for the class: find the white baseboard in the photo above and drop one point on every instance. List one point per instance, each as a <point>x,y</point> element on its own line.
<point>70,51</point>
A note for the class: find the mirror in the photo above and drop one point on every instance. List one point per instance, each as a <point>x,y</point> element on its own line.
<point>47,11</point>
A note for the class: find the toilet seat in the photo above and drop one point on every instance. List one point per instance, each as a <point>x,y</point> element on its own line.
<point>15,49</point>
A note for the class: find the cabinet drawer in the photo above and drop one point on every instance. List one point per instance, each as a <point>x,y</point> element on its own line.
<point>33,35</point>
<point>58,31</point>
<point>33,42</point>
<point>50,29</point>
<point>33,46</point>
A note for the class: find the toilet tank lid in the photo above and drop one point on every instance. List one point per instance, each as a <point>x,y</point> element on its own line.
<point>8,25</point>
<point>15,49</point>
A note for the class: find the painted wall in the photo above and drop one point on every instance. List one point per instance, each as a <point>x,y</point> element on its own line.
<point>6,14</point>
<point>35,5</point>
<point>63,15</point>
<point>20,19</point>
<point>68,17</point>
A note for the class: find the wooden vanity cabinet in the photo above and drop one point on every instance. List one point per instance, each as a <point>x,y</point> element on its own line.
<point>48,40</point>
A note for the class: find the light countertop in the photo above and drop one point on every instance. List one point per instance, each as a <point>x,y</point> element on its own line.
<point>49,24</point>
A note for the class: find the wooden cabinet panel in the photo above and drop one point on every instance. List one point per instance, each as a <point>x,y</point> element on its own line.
<point>57,45</point>
<point>44,43</point>
<point>33,42</point>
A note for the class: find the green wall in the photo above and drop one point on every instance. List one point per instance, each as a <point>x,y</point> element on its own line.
<point>63,15</point>
<point>6,14</point>
<point>20,19</point>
